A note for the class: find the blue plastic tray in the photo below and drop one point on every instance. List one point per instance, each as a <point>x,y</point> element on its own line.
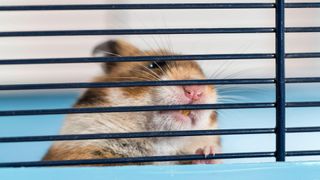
<point>290,171</point>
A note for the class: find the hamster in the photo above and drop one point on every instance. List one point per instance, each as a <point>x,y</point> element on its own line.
<point>141,121</point>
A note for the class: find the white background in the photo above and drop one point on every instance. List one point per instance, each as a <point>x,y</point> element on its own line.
<point>81,46</point>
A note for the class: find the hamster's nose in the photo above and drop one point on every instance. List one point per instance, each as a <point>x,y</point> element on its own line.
<point>193,92</point>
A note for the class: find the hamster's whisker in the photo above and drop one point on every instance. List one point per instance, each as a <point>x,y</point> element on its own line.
<point>235,74</point>
<point>172,66</point>
<point>168,68</point>
<point>145,70</point>
<point>239,88</point>
<point>224,99</point>
<point>151,72</point>
<point>161,69</point>
<point>152,36</point>
<point>148,74</point>
<point>148,45</point>
<point>222,115</point>
<point>162,124</point>
<point>137,78</point>
<point>122,23</point>
<point>168,39</point>
<point>157,44</point>
<point>222,68</point>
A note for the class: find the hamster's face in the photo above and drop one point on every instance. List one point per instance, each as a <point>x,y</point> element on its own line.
<point>164,95</point>
<point>188,94</point>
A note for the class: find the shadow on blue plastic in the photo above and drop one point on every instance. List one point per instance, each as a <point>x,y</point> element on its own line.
<point>301,170</point>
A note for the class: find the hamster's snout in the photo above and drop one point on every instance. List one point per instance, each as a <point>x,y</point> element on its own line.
<point>194,93</point>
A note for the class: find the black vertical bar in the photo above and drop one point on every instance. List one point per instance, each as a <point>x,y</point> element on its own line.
<point>280,81</point>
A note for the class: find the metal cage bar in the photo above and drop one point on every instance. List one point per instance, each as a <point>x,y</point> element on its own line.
<point>135,109</point>
<point>139,58</point>
<point>154,83</point>
<point>154,108</point>
<point>155,6</point>
<point>157,58</point>
<point>140,83</point>
<point>139,159</point>
<point>142,135</point>
<point>100,32</point>
<point>280,81</point>
<point>153,159</point>
<point>73,137</point>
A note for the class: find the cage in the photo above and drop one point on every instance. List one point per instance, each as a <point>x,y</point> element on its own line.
<point>32,111</point>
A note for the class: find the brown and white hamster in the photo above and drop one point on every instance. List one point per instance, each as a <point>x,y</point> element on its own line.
<point>141,121</point>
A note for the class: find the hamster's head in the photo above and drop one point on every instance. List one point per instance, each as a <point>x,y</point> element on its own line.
<point>162,95</point>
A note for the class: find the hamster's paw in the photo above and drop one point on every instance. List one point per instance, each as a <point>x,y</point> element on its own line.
<point>207,150</point>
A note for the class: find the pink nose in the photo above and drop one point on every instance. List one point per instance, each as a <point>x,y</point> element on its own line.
<point>193,92</point>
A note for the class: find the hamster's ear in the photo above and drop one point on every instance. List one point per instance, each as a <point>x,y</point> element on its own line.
<point>115,48</point>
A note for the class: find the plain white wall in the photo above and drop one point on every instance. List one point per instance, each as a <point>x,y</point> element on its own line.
<point>81,46</point>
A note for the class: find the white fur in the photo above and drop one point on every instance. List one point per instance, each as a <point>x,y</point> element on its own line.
<point>141,121</point>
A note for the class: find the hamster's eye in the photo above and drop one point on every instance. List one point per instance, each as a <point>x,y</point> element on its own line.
<point>155,64</point>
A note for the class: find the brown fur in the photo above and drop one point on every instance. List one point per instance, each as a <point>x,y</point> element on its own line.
<point>86,152</point>
<point>213,118</point>
<point>134,92</point>
<point>127,71</point>
<point>93,97</point>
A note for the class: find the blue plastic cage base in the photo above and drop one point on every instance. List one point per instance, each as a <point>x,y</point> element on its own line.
<point>283,170</point>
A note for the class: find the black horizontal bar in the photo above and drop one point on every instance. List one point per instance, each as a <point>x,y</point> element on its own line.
<point>153,108</point>
<point>303,80</point>
<point>155,6</point>
<point>302,5</point>
<point>99,32</point>
<point>303,55</point>
<point>154,159</point>
<point>303,129</point>
<point>135,84</point>
<point>135,109</point>
<point>155,58</point>
<point>73,137</point>
<point>303,153</point>
<point>137,159</point>
<point>137,58</point>
<point>138,6</point>
<point>153,83</point>
<point>303,104</point>
<point>302,29</point>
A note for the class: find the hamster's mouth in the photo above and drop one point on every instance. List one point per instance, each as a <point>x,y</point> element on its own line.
<point>185,112</point>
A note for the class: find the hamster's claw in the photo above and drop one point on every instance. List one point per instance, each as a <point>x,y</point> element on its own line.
<point>206,151</point>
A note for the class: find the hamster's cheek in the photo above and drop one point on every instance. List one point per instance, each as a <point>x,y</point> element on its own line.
<point>168,121</point>
<point>212,96</point>
<point>170,95</point>
<point>202,120</point>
